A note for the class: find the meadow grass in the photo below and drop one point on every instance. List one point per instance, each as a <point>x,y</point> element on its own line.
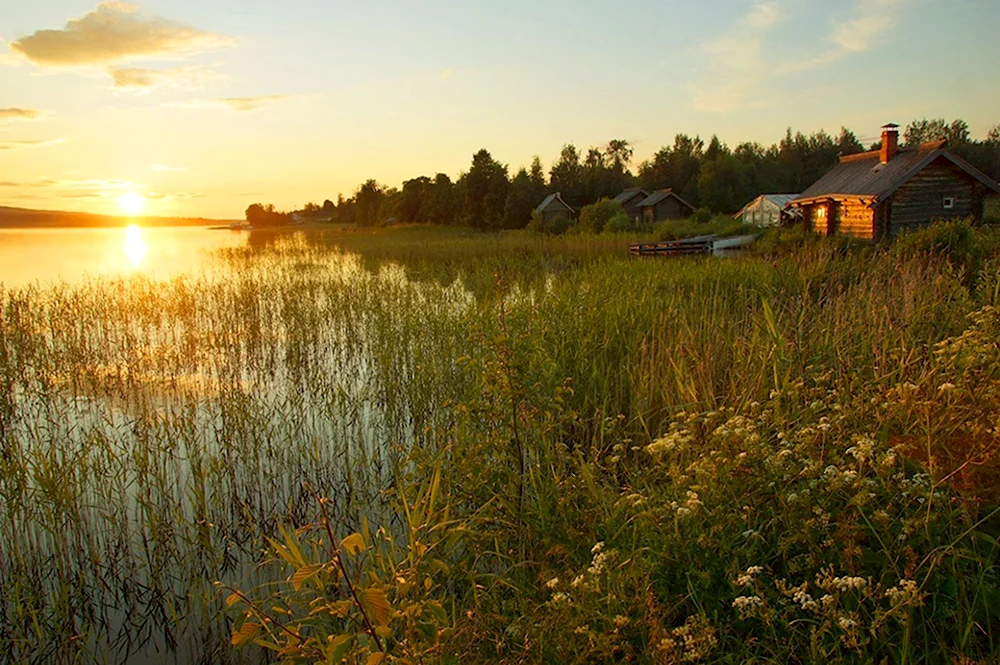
<point>549,451</point>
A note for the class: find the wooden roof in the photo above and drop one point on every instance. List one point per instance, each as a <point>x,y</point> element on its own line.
<point>864,176</point>
<point>553,198</point>
<point>660,195</point>
<point>630,194</point>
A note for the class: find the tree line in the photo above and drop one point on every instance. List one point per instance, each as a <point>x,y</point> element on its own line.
<point>712,176</point>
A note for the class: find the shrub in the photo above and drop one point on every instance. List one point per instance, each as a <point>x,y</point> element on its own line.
<point>702,216</point>
<point>596,216</point>
<point>554,226</point>
<point>621,223</point>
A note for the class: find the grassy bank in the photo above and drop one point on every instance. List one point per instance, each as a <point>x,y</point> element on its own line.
<point>549,452</point>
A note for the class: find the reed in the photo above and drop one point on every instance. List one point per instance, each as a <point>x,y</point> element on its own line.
<point>556,393</point>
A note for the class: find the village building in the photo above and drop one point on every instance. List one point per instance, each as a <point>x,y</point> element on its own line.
<point>630,200</point>
<point>554,207</point>
<point>664,204</point>
<point>767,210</point>
<point>879,194</point>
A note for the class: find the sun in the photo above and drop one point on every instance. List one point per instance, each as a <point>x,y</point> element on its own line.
<point>132,203</point>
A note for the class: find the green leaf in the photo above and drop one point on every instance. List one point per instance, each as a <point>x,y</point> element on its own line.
<point>304,573</point>
<point>245,633</point>
<point>353,544</point>
<point>376,605</point>
<point>336,648</point>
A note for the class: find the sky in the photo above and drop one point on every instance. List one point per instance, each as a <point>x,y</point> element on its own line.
<point>202,107</point>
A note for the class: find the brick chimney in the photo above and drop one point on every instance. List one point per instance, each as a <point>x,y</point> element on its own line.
<point>890,142</point>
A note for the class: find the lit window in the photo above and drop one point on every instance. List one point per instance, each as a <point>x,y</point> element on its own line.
<point>821,212</point>
<point>949,202</point>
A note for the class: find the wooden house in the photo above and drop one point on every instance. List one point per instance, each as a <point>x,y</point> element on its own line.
<point>630,200</point>
<point>664,204</point>
<point>878,194</point>
<point>767,210</point>
<point>553,206</point>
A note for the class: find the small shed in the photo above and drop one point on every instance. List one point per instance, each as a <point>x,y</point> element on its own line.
<point>553,207</point>
<point>630,200</point>
<point>878,194</point>
<point>664,204</point>
<point>766,210</point>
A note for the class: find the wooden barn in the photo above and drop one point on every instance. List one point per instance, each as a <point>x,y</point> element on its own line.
<point>664,204</point>
<point>553,206</point>
<point>630,200</point>
<point>879,194</point>
<point>767,210</point>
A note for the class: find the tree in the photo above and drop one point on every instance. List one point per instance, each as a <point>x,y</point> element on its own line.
<point>413,199</point>
<point>619,154</point>
<point>485,191</point>
<point>924,130</point>
<point>526,191</point>
<point>596,216</point>
<point>848,143</point>
<point>368,201</point>
<point>566,175</point>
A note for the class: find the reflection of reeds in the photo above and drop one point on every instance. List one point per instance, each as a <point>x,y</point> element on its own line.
<point>152,433</point>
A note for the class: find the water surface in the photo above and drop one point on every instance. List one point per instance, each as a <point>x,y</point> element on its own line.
<point>72,255</point>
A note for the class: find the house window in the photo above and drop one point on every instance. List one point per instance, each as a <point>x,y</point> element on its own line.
<point>821,213</point>
<point>949,202</point>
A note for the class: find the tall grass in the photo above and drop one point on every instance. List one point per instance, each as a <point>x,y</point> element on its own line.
<point>556,394</point>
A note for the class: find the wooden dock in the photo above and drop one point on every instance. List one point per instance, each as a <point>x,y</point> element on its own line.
<point>707,244</point>
<point>684,246</point>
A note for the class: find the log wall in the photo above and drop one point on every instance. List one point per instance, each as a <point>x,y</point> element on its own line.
<point>921,200</point>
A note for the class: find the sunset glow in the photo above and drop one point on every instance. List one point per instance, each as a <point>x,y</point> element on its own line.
<point>135,246</point>
<point>132,204</point>
<point>215,111</point>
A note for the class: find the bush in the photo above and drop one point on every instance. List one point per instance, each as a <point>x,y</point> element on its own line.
<point>596,216</point>
<point>621,223</point>
<point>702,216</point>
<point>555,226</point>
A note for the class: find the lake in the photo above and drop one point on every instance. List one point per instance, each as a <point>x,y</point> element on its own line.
<point>72,254</point>
<point>154,430</point>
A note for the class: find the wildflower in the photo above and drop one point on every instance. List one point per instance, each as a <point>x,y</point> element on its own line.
<point>620,621</point>
<point>747,604</point>
<point>946,387</point>
<point>553,583</point>
<point>847,624</point>
<point>597,547</point>
<point>560,597</point>
<point>905,592</point>
<point>749,577</point>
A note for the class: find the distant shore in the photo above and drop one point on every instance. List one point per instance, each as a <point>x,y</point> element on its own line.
<point>23,218</point>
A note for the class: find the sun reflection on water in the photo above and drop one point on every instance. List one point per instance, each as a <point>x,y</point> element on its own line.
<point>135,247</point>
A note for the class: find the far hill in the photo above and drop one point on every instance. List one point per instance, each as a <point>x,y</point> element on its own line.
<point>23,218</point>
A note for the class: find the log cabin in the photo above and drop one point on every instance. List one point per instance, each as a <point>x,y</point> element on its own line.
<point>879,194</point>
<point>664,204</point>
<point>630,200</point>
<point>553,206</point>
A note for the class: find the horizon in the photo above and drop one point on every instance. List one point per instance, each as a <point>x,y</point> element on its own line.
<point>187,109</point>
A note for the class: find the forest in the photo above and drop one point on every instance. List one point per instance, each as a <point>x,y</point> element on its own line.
<point>711,176</point>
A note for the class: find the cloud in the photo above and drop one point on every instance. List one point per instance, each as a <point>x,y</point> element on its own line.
<point>739,66</point>
<point>17,145</point>
<point>251,103</point>
<point>19,114</point>
<point>114,32</point>
<point>141,80</point>
<point>872,19</point>
<point>736,65</point>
